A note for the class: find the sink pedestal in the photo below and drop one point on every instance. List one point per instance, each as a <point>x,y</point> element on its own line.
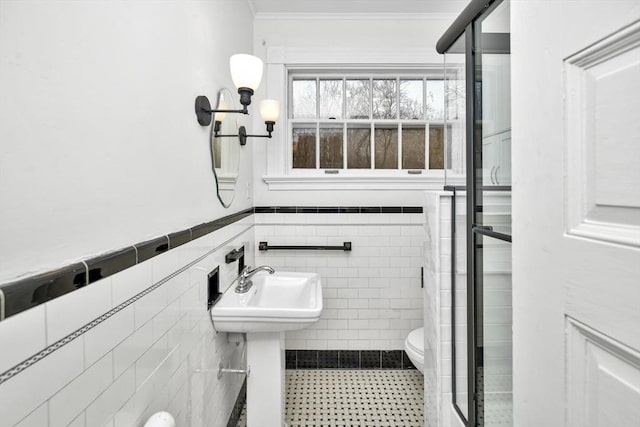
<point>266,382</point>
<point>279,302</point>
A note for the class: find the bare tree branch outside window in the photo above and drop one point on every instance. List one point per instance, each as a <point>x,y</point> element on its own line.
<point>358,99</point>
<point>358,147</point>
<point>386,143</point>
<point>384,99</point>
<point>304,148</point>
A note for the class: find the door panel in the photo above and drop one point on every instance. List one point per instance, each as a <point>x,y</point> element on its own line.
<point>603,379</point>
<point>603,116</point>
<point>576,257</point>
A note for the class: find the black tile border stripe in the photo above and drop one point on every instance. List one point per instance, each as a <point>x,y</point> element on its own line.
<point>10,373</point>
<point>348,359</point>
<point>28,292</point>
<point>31,291</point>
<point>339,209</point>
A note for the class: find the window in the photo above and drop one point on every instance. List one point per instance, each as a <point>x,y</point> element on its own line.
<point>366,122</point>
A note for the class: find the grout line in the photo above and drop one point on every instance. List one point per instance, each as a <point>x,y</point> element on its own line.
<point>10,373</point>
<point>86,272</point>
<point>137,256</point>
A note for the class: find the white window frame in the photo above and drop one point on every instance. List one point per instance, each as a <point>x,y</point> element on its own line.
<point>282,63</point>
<point>402,75</point>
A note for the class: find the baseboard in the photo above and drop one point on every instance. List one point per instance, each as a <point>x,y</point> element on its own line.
<point>238,406</point>
<point>348,359</point>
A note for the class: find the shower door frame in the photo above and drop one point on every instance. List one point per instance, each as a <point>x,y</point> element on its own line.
<point>465,26</point>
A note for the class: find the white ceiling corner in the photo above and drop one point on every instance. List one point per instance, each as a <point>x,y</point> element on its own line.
<point>356,7</point>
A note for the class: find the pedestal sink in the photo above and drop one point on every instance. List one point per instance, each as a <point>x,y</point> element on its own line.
<point>279,302</point>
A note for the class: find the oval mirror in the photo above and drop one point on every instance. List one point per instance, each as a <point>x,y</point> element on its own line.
<point>225,148</point>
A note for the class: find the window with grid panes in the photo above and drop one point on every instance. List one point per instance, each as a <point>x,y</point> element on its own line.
<point>359,122</point>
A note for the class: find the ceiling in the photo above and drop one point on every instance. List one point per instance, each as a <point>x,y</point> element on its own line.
<point>357,6</point>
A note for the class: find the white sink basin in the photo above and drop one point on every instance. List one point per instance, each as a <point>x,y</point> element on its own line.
<point>283,301</point>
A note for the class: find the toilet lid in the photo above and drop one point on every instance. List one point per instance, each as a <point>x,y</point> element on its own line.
<point>415,340</point>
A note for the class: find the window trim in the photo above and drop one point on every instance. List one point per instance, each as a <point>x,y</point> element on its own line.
<point>281,62</point>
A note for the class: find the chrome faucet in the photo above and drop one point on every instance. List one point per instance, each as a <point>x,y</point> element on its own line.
<point>244,279</point>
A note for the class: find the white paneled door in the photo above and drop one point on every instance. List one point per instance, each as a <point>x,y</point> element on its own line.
<point>576,213</point>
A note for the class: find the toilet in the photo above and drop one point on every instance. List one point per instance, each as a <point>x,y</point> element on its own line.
<point>414,346</point>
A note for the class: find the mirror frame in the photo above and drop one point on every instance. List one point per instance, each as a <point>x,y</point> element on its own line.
<point>225,100</point>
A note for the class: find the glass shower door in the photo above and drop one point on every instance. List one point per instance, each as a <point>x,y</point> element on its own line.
<point>492,218</point>
<point>478,174</point>
<point>455,177</point>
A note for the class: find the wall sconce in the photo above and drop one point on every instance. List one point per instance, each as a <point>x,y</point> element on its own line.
<point>269,110</point>
<point>246,73</point>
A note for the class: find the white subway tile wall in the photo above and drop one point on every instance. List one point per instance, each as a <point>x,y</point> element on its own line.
<point>497,303</point>
<point>432,303</point>
<point>26,331</point>
<point>372,295</point>
<point>160,353</point>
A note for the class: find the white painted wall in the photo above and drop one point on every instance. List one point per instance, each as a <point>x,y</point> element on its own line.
<point>99,146</point>
<point>100,149</point>
<point>367,36</point>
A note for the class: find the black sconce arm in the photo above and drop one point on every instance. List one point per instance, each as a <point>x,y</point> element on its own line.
<point>242,133</point>
<point>243,111</point>
<point>216,131</point>
<point>204,110</point>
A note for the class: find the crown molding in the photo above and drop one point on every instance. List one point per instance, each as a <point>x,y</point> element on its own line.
<point>383,57</point>
<point>349,16</point>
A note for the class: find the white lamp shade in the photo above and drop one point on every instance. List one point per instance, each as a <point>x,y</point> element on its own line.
<point>270,110</point>
<point>246,70</point>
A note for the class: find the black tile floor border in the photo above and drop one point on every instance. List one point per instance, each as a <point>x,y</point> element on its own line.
<point>241,400</point>
<point>347,359</point>
<point>328,359</point>
<point>28,292</point>
<point>406,362</point>
<point>392,359</point>
<point>290,359</point>
<point>370,359</point>
<point>307,359</point>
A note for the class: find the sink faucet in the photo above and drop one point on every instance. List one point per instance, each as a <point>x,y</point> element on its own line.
<point>244,279</point>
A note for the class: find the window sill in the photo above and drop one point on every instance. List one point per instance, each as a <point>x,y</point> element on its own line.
<point>292,182</point>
